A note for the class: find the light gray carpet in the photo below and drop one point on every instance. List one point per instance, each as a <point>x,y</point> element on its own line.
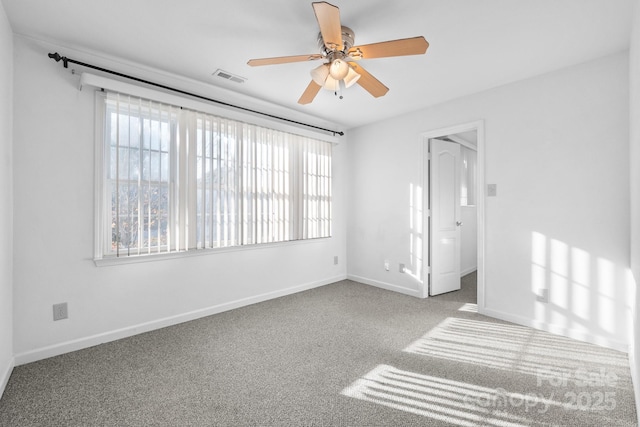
<point>345,354</point>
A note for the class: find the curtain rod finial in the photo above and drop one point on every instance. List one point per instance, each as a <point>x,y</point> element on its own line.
<point>56,57</point>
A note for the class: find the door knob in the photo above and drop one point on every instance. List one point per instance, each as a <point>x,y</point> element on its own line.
<point>458,223</point>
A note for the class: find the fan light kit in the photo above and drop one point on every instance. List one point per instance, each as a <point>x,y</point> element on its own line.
<point>340,55</point>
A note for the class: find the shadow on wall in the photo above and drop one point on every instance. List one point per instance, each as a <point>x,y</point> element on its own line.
<point>579,293</point>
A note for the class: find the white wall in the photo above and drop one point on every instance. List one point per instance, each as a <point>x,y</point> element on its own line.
<point>634,156</point>
<point>6,200</point>
<point>557,148</point>
<point>468,240</point>
<point>634,137</point>
<point>53,165</point>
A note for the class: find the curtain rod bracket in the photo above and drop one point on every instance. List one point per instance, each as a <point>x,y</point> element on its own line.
<point>65,61</point>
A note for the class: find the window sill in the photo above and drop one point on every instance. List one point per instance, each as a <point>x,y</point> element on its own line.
<point>134,259</point>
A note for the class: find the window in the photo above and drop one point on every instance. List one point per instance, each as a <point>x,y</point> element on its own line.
<point>175,180</point>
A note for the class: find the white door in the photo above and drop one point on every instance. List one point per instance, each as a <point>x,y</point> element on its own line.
<point>444,193</point>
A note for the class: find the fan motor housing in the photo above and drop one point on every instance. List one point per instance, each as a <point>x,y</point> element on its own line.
<point>348,38</point>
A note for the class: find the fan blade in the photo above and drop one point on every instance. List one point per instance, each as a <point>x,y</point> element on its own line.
<point>368,82</point>
<point>284,59</point>
<point>309,93</point>
<point>328,17</point>
<point>412,46</point>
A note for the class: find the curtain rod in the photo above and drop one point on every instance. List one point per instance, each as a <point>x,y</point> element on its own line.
<point>65,61</point>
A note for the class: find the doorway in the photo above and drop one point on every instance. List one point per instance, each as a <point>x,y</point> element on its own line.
<point>455,172</point>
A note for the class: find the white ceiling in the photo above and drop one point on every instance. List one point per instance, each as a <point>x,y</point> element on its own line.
<point>474,44</point>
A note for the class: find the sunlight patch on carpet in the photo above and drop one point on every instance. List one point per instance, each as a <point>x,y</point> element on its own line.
<point>515,348</point>
<point>469,307</point>
<point>454,402</point>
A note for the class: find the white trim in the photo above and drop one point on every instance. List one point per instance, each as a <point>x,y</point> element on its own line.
<point>426,243</point>
<point>4,378</point>
<point>385,285</point>
<point>93,340</point>
<point>99,204</point>
<point>423,291</point>
<point>113,260</point>
<point>462,142</point>
<point>555,329</point>
<point>480,213</point>
<point>478,126</point>
<point>449,130</point>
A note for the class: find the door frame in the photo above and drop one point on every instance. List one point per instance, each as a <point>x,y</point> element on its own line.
<point>478,126</point>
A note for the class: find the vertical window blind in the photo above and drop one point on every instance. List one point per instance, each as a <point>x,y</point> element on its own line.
<point>177,180</point>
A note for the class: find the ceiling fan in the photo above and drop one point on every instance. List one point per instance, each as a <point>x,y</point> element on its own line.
<point>340,55</point>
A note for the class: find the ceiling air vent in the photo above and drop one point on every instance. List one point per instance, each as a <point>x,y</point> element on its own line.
<point>228,76</point>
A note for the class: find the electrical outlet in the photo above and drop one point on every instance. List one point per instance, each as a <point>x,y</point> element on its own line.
<point>386,265</point>
<point>492,190</point>
<point>335,260</point>
<point>60,311</point>
<point>543,295</point>
<point>401,268</point>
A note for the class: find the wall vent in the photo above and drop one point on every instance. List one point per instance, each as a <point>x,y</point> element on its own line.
<point>228,76</point>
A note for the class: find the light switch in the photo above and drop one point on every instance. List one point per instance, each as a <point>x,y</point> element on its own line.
<point>492,190</point>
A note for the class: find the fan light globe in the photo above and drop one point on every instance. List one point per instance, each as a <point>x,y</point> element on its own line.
<point>332,84</point>
<point>339,69</point>
<point>351,78</point>
<point>320,74</point>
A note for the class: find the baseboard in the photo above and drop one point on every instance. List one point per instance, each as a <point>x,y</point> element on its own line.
<point>555,329</point>
<point>90,341</point>
<point>384,285</point>
<point>4,376</point>
<point>468,271</point>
